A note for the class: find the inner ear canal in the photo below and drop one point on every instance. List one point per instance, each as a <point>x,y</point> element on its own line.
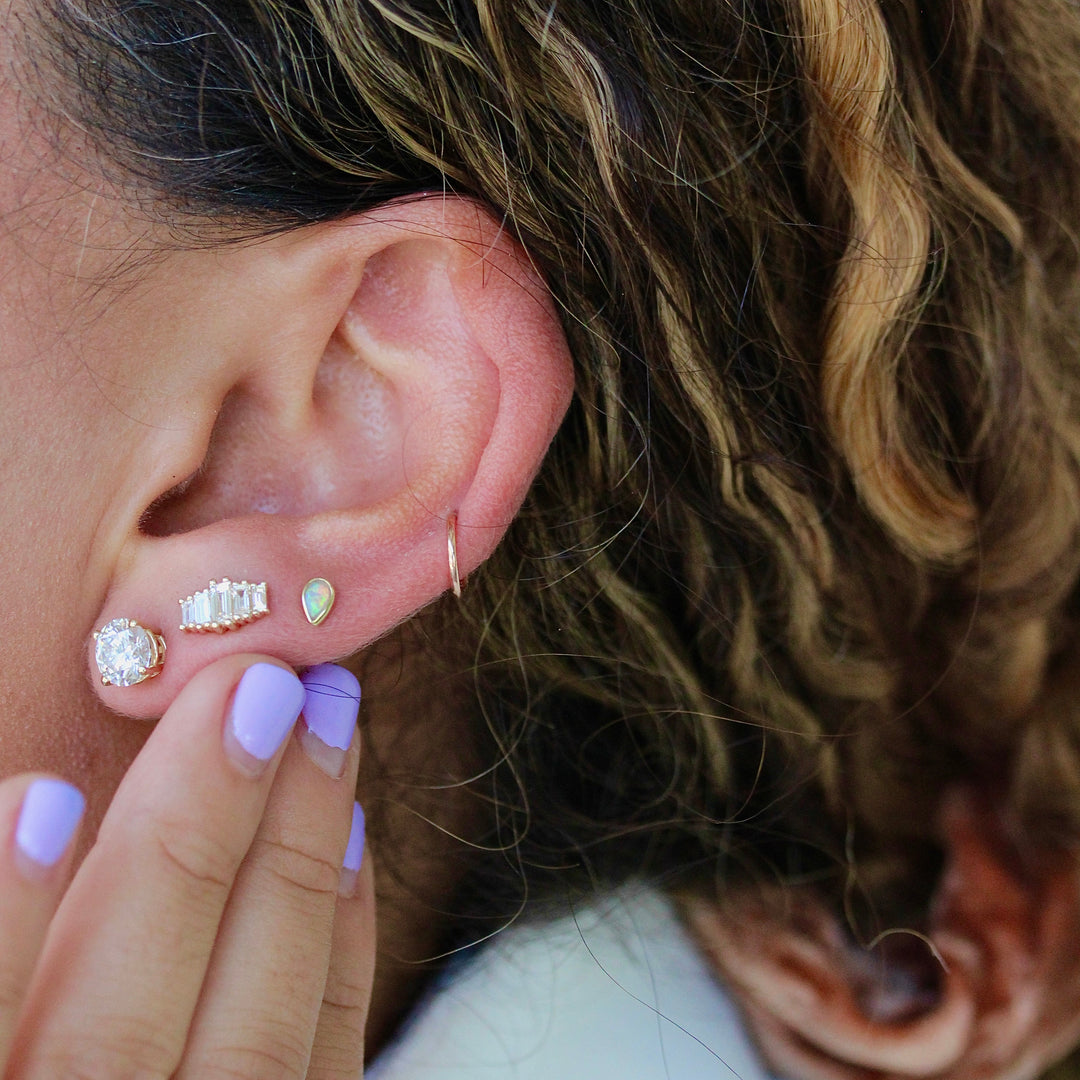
<point>898,979</point>
<point>155,520</point>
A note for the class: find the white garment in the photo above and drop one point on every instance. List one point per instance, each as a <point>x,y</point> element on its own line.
<point>618,992</point>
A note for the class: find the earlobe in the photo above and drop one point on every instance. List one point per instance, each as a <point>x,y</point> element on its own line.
<point>409,366</point>
<point>990,991</point>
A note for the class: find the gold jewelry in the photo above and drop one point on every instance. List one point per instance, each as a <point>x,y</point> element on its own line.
<point>451,550</point>
<point>225,605</point>
<point>317,598</point>
<point>127,653</point>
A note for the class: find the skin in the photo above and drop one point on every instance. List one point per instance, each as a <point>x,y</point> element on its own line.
<point>192,899</point>
<point>94,306</point>
<point>107,366</point>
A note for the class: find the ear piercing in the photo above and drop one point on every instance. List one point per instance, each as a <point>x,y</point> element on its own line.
<point>317,598</point>
<point>451,551</point>
<point>128,653</point>
<point>225,605</point>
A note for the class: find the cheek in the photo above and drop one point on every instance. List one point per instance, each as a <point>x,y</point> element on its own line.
<point>55,414</point>
<point>51,465</point>
<point>59,472</point>
<point>53,468</point>
<point>61,403</point>
<point>63,395</point>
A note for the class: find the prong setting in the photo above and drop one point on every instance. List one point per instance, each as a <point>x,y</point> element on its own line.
<point>127,653</point>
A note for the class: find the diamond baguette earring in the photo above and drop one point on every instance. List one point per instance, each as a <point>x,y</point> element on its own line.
<point>127,653</point>
<point>224,605</point>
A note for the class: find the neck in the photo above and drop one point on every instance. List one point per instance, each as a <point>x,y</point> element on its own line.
<point>415,756</point>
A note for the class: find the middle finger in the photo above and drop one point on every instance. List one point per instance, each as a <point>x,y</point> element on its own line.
<point>260,1004</point>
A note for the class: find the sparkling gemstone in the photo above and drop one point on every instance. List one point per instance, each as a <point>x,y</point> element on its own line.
<point>224,605</point>
<point>221,607</point>
<point>200,608</point>
<point>317,599</point>
<point>126,653</point>
<point>242,601</point>
<point>258,599</point>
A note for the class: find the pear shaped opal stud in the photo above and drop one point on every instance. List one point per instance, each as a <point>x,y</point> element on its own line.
<point>317,598</point>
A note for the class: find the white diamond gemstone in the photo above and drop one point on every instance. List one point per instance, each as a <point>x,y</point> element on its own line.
<point>221,605</point>
<point>127,653</point>
<point>242,602</point>
<point>224,605</point>
<point>200,610</point>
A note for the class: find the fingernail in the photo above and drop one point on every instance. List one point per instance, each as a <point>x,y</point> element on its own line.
<point>354,854</point>
<point>265,706</point>
<point>331,703</point>
<point>50,813</point>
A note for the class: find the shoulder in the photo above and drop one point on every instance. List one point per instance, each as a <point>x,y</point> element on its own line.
<point>615,990</point>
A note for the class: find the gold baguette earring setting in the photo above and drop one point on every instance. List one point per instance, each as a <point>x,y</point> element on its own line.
<point>127,653</point>
<point>224,605</point>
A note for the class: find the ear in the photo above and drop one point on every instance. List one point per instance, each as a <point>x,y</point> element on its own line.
<point>342,390</point>
<point>993,990</point>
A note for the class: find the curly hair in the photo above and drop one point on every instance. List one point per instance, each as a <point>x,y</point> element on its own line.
<point>805,549</point>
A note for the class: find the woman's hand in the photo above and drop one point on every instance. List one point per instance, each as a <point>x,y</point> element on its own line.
<point>210,931</point>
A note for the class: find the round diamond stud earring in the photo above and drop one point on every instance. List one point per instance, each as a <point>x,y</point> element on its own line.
<point>128,653</point>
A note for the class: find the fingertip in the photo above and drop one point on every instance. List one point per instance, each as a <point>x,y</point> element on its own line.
<point>331,706</point>
<point>354,854</point>
<point>48,819</point>
<point>265,706</point>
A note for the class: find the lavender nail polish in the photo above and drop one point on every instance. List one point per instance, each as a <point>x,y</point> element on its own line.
<point>265,706</point>
<point>50,813</point>
<point>354,854</point>
<point>331,704</point>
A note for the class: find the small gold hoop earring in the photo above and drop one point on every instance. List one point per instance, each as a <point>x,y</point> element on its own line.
<point>451,552</point>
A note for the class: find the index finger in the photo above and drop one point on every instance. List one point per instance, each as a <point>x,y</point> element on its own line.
<point>130,944</point>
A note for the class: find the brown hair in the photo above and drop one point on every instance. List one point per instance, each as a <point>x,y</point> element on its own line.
<point>805,549</point>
